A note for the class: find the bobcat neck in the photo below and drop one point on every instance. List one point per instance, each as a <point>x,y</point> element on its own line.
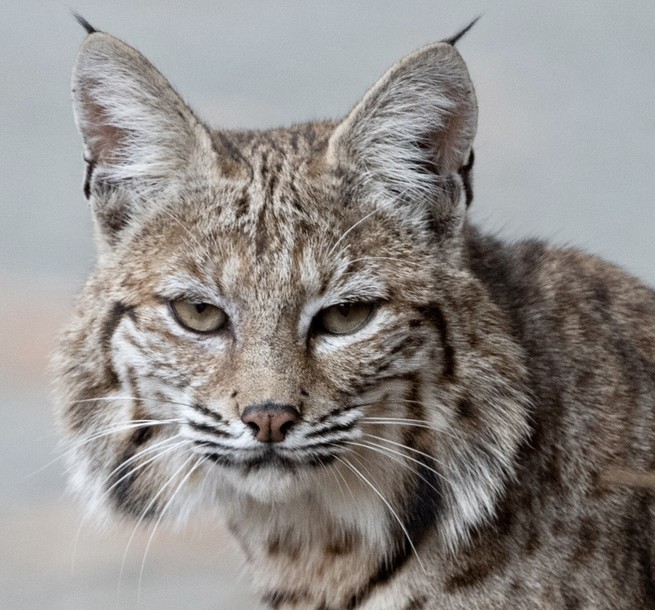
<point>311,558</point>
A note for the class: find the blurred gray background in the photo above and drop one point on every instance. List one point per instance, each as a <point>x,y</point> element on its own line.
<point>564,151</point>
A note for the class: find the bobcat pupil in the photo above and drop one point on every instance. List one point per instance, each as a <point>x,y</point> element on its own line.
<point>344,309</point>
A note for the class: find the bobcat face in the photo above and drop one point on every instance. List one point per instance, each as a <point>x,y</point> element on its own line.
<point>286,316</point>
<point>267,326</point>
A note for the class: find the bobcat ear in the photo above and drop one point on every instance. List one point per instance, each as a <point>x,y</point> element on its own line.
<point>139,136</point>
<point>414,129</point>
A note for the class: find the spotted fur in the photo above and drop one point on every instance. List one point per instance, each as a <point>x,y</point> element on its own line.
<point>481,441</point>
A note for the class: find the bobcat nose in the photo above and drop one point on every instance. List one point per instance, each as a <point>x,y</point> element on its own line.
<point>270,421</point>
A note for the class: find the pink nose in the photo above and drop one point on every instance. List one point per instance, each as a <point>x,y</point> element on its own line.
<point>270,421</point>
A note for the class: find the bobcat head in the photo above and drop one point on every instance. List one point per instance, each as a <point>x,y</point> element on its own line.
<point>280,315</point>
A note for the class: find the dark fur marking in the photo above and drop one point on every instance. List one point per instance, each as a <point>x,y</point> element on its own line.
<point>515,586</point>
<point>113,221</point>
<point>209,429</point>
<point>109,327</point>
<point>116,314</point>
<point>339,427</point>
<point>465,409</point>
<point>261,234</point>
<point>602,295</point>
<point>416,603</point>
<point>345,543</point>
<point>124,474</point>
<point>273,546</point>
<point>242,206</point>
<point>407,343</point>
<point>233,151</point>
<point>295,201</point>
<point>434,314</point>
<point>208,412</point>
<point>504,521</point>
<point>265,460</point>
<point>90,166</point>
<point>275,599</point>
<point>426,165</point>
<point>271,185</point>
<point>465,174</point>
<point>335,412</point>
<point>141,435</point>
<point>134,387</point>
<point>413,404</point>
<point>293,142</point>
<point>569,597</point>
<point>310,135</point>
<point>587,540</point>
<point>640,533</point>
<point>472,576</point>
<point>533,540</point>
<point>328,415</point>
<point>277,545</point>
<point>509,277</point>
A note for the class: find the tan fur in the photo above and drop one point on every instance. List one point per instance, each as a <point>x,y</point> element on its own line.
<point>484,440</point>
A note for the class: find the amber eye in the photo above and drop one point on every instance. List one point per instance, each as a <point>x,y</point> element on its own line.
<point>199,317</point>
<point>344,318</point>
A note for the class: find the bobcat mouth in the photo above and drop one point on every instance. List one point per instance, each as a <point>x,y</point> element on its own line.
<point>268,456</point>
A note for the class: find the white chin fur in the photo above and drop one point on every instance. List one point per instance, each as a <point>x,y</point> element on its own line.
<point>264,484</point>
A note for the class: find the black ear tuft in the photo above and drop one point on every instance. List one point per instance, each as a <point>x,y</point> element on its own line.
<point>453,40</point>
<point>84,23</point>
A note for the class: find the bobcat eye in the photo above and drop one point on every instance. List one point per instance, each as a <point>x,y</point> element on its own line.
<point>344,318</point>
<point>199,317</point>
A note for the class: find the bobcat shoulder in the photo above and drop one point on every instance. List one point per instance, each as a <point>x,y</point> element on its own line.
<point>300,329</point>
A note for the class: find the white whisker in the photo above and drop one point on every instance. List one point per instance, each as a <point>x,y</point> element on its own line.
<point>401,421</point>
<point>387,504</point>
<point>114,429</point>
<point>126,426</point>
<point>161,399</point>
<point>406,447</point>
<point>198,463</point>
<point>140,454</point>
<point>389,452</point>
<point>150,504</point>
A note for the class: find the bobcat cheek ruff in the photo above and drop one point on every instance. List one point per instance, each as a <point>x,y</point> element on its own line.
<point>300,328</point>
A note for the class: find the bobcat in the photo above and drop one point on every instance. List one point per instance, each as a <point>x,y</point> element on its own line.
<point>301,328</point>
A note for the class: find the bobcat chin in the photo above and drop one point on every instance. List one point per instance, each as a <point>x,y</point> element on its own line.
<point>301,329</point>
